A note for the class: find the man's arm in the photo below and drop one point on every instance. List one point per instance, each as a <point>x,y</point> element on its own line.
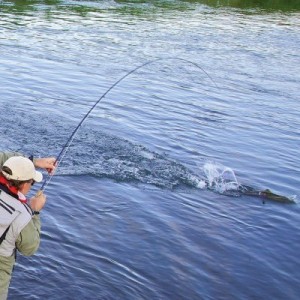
<point>28,240</point>
<point>4,156</point>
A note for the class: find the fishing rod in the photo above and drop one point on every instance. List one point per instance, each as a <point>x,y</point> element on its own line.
<point>245,190</point>
<point>65,148</point>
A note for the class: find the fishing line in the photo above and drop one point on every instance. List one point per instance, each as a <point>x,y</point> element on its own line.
<point>65,148</point>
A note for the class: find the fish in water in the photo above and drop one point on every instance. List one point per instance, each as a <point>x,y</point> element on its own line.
<point>265,194</point>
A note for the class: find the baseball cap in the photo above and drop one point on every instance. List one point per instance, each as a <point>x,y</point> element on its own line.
<point>22,169</point>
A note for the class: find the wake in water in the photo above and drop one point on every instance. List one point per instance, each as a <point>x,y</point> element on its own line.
<point>107,156</point>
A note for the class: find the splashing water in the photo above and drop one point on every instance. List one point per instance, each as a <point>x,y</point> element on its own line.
<point>119,159</point>
<point>220,178</point>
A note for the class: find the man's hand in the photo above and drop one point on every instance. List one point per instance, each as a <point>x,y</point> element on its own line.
<point>47,163</point>
<point>38,201</point>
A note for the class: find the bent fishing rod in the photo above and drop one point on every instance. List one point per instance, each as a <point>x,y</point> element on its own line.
<point>265,194</point>
<point>65,148</point>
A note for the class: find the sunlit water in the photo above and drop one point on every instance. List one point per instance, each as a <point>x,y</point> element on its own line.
<point>130,212</point>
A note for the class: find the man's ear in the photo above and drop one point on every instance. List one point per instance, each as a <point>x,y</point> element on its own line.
<point>21,187</point>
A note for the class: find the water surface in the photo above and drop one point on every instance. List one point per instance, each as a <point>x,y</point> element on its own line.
<point>125,217</point>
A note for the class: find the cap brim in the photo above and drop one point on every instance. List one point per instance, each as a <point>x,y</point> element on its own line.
<point>38,176</point>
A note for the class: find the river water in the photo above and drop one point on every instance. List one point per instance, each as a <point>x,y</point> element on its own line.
<point>127,215</point>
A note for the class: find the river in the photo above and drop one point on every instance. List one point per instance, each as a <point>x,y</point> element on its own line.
<point>190,92</point>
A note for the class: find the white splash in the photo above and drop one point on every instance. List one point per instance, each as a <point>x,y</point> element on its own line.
<point>197,182</point>
<point>220,178</point>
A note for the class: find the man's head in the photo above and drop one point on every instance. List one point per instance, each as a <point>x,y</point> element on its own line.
<point>20,169</point>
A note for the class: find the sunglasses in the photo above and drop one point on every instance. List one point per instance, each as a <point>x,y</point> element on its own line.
<point>31,181</point>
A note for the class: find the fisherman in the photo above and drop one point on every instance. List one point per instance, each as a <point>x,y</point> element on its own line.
<point>20,224</point>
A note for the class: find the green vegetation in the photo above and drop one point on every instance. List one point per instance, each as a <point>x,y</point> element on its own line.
<point>283,5</point>
<point>136,7</point>
<point>24,5</point>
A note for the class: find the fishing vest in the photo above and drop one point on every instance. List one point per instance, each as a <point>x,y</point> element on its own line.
<point>14,216</point>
